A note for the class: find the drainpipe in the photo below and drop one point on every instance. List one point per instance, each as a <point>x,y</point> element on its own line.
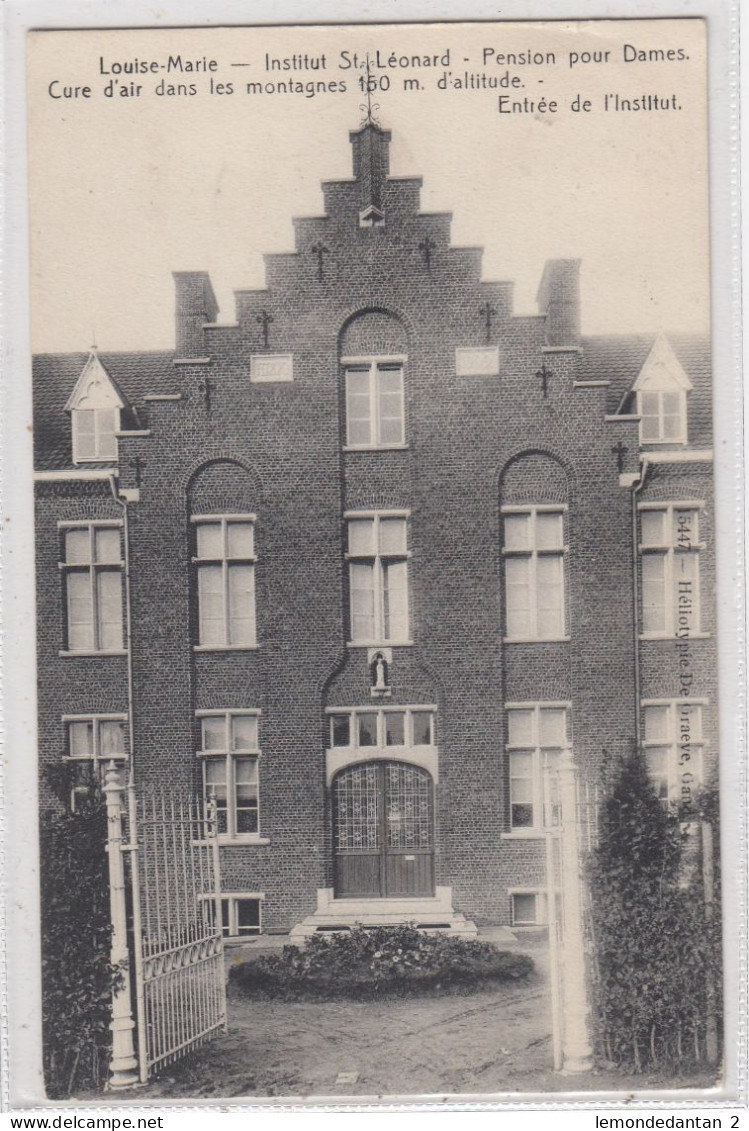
<point>132,846</point>
<point>122,503</point>
<point>636,599</point>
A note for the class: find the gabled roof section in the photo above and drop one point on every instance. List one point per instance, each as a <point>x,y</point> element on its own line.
<point>95,388</point>
<point>56,376</point>
<point>662,368</point>
<point>620,358</point>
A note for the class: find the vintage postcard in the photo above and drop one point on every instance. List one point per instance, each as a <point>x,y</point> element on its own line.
<point>377,638</point>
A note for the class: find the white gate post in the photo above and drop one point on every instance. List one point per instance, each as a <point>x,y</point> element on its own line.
<point>123,1065</point>
<point>576,1049</point>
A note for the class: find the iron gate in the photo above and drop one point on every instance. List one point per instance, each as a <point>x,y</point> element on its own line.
<point>176,927</point>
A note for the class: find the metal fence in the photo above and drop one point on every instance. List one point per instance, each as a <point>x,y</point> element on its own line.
<point>176,927</point>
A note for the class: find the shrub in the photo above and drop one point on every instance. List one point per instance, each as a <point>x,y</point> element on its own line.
<point>367,963</point>
<point>657,951</point>
<point>77,977</point>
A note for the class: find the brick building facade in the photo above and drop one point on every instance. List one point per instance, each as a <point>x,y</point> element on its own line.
<point>365,561</point>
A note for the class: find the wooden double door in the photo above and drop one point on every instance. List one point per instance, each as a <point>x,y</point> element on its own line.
<point>383,831</point>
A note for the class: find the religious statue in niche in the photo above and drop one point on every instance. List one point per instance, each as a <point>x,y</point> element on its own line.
<point>378,668</point>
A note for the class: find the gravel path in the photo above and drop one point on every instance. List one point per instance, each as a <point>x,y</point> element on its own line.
<point>480,1044</point>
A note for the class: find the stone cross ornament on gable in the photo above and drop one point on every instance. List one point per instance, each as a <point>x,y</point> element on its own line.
<point>426,247</point>
<point>543,375</point>
<point>265,318</point>
<point>320,250</point>
<point>488,312</point>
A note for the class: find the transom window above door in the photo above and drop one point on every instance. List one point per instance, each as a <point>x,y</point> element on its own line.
<point>375,404</point>
<point>412,726</point>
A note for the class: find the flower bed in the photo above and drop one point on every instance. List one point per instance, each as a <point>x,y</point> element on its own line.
<point>371,963</point>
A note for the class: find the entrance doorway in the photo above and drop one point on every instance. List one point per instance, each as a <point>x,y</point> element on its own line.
<point>383,831</point>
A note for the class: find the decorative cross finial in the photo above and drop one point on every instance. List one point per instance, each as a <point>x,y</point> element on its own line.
<point>266,320</point>
<point>206,387</point>
<point>543,375</point>
<point>320,250</point>
<point>426,247</point>
<point>136,463</point>
<point>488,312</point>
<point>620,450</point>
<point>370,85</point>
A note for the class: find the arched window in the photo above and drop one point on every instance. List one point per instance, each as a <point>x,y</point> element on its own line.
<point>373,359</point>
<point>534,548</point>
<point>224,556</point>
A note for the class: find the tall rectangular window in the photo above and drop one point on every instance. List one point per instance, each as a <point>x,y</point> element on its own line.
<point>670,555</point>
<point>225,562</point>
<point>374,403</point>
<point>93,585</point>
<point>537,733</point>
<point>533,552</point>
<point>93,742</point>
<point>673,745</point>
<point>230,756</point>
<point>378,577</point>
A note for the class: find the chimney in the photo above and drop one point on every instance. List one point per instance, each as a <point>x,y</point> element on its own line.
<point>195,305</point>
<point>371,146</point>
<point>559,299</point>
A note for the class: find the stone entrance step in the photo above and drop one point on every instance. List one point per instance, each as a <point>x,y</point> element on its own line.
<point>312,925</point>
<point>427,913</point>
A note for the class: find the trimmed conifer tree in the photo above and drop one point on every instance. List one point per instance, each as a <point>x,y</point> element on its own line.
<point>656,950</point>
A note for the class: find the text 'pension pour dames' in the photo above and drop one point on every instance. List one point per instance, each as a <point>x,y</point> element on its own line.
<point>375,63</point>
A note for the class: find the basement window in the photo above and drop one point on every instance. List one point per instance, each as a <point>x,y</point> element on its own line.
<point>240,916</point>
<point>528,908</point>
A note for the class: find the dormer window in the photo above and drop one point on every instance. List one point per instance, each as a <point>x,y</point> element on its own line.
<point>94,434</point>
<point>664,416</point>
<point>661,390</point>
<point>95,406</point>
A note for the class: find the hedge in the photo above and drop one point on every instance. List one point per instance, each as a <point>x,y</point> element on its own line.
<point>77,977</point>
<point>657,948</point>
<point>367,963</point>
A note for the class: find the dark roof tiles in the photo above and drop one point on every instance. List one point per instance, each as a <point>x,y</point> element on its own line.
<point>55,374</point>
<point>614,358</point>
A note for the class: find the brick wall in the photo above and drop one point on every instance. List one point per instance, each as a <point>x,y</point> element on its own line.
<point>275,450</point>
